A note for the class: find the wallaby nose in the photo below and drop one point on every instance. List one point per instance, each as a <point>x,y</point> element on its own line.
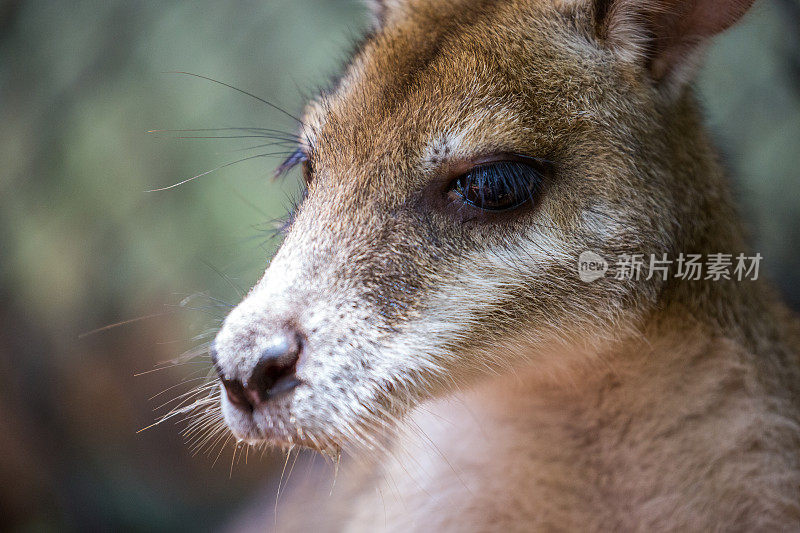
<point>273,373</point>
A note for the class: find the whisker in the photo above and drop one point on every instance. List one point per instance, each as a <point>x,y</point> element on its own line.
<point>168,366</point>
<point>222,448</point>
<point>284,139</point>
<point>121,323</point>
<point>205,433</point>
<point>239,290</point>
<point>210,438</point>
<point>184,382</point>
<point>247,202</point>
<point>180,409</point>
<point>244,128</point>
<point>187,180</point>
<point>280,483</point>
<point>189,395</point>
<point>270,104</point>
<point>276,143</point>
<point>233,460</point>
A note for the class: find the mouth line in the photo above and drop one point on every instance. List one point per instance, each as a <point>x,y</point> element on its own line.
<point>257,427</point>
<point>274,426</point>
<point>255,434</point>
<point>267,421</point>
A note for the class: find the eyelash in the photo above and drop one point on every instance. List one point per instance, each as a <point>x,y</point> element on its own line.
<point>294,159</point>
<point>500,186</point>
<point>489,187</point>
<point>298,157</point>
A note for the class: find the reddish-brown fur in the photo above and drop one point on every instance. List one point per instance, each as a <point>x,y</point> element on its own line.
<point>612,405</point>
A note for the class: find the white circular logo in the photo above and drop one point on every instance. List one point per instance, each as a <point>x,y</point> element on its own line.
<point>591,266</point>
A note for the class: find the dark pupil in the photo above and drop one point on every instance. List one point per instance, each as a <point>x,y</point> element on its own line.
<point>497,187</point>
<point>494,197</point>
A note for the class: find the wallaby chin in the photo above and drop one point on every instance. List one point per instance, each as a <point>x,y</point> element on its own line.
<point>490,293</point>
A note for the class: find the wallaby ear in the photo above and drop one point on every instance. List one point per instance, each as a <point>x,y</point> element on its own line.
<point>666,34</point>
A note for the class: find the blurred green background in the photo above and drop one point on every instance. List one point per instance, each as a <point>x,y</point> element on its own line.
<point>82,244</point>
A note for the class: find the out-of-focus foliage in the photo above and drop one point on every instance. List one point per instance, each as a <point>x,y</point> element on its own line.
<point>750,86</point>
<point>82,245</point>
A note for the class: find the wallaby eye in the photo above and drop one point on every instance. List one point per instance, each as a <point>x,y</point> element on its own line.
<point>499,186</point>
<point>308,170</point>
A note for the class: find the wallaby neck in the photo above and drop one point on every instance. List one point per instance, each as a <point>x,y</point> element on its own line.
<point>604,447</point>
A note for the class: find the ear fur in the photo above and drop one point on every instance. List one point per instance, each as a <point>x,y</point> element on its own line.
<point>667,35</point>
<point>382,10</point>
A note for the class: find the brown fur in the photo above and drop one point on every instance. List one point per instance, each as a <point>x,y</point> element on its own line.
<point>634,405</point>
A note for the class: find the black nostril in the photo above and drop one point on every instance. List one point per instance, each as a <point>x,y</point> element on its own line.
<point>274,372</point>
<point>236,393</point>
<point>234,389</point>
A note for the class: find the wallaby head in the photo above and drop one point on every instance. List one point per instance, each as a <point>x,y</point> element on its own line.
<point>469,154</point>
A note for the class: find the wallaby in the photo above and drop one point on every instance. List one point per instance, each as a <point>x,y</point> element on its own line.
<point>430,312</point>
